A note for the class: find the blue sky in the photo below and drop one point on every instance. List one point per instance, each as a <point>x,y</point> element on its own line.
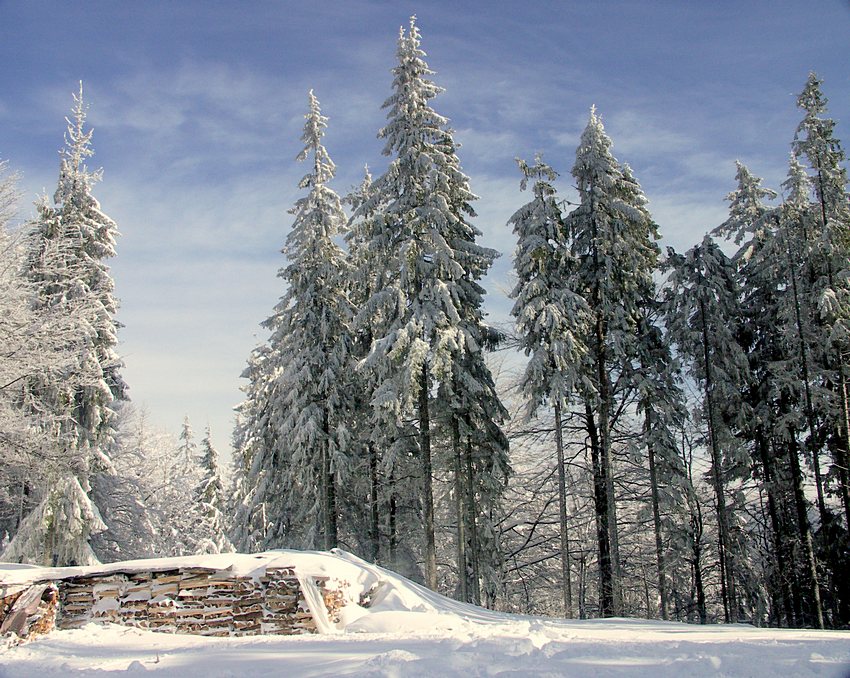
<point>198,107</point>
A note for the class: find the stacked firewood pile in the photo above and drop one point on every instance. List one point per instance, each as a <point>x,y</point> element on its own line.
<point>194,600</point>
<point>30,611</point>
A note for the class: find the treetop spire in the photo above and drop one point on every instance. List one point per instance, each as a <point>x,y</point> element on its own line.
<point>315,125</point>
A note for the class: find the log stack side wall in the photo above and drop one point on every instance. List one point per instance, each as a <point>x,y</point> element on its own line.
<point>195,601</point>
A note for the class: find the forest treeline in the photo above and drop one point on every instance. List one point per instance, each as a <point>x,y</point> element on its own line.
<point>673,444</point>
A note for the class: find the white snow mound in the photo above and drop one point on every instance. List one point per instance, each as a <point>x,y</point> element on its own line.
<point>408,630</point>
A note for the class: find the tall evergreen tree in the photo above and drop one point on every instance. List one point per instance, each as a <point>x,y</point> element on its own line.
<point>85,238</point>
<point>38,345</point>
<point>187,450</point>
<point>429,332</point>
<point>761,266</point>
<point>798,322</point>
<point>828,253</point>
<point>702,311</point>
<point>66,256</point>
<point>612,239</point>
<point>549,319</point>
<point>371,438</point>
<point>304,372</point>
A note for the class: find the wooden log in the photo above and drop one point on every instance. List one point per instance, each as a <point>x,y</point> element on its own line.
<point>246,626</point>
<point>248,604</point>
<point>192,585</point>
<point>168,577</point>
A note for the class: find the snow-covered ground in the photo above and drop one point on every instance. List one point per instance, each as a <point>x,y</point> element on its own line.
<point>410,631</point>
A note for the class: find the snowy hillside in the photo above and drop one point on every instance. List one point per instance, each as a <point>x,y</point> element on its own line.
<point>408,630</point>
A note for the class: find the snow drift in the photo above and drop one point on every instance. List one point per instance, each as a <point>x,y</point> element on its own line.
<point>390,626</point>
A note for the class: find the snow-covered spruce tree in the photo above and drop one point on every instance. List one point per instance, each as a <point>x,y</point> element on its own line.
<point>806,372</point>
<point>470,404</point>
<point>87,239</point>
<point>389,441</point>
<point>703,315</point>
<point>40,345</point>
<point>427,324</point>
<point>761,267</point>
<point>828,252</point>
<point>58,530</point>
<point>747,222</point>
<point>65,263</point>
<point>365,476</point>
<point>211,530</point>
<point>307,363</point>
<point>255,444</point>
<point>549,319</point>
<point>611,238</point>
<point>32,345</point>
<point>650,370</point>
<point>800,370</point>
<point>479,457</point>
<point>187,449</point>
<point>782,334</point>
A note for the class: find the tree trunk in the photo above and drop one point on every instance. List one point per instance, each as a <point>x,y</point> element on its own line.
<point>392,518</point>
<point>474,550</point>
<point>647,599</point>
<point>25,491</point>
<point>566,584</point>
<point>696,550</point>
<point>600,504</point>
<point>730,604</point>
<point>656,516</point>
<point>427,480</point>
<point>322,517</point>
<point>462,568</point>
<point>842,454</point>
<point>810,410</point>
<point>603,446</point>
<point>374,518</point>
<point>606,467</point>
<point>582,586</point>
<point>331,538</point>
<point>810,572</point>
<point>699,586</point>
<point>776,579</point>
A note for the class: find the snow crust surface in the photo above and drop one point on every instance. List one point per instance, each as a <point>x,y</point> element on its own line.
<point>411,631</point>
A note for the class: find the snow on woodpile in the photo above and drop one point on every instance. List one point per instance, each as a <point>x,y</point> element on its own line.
<point>277,592</point>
